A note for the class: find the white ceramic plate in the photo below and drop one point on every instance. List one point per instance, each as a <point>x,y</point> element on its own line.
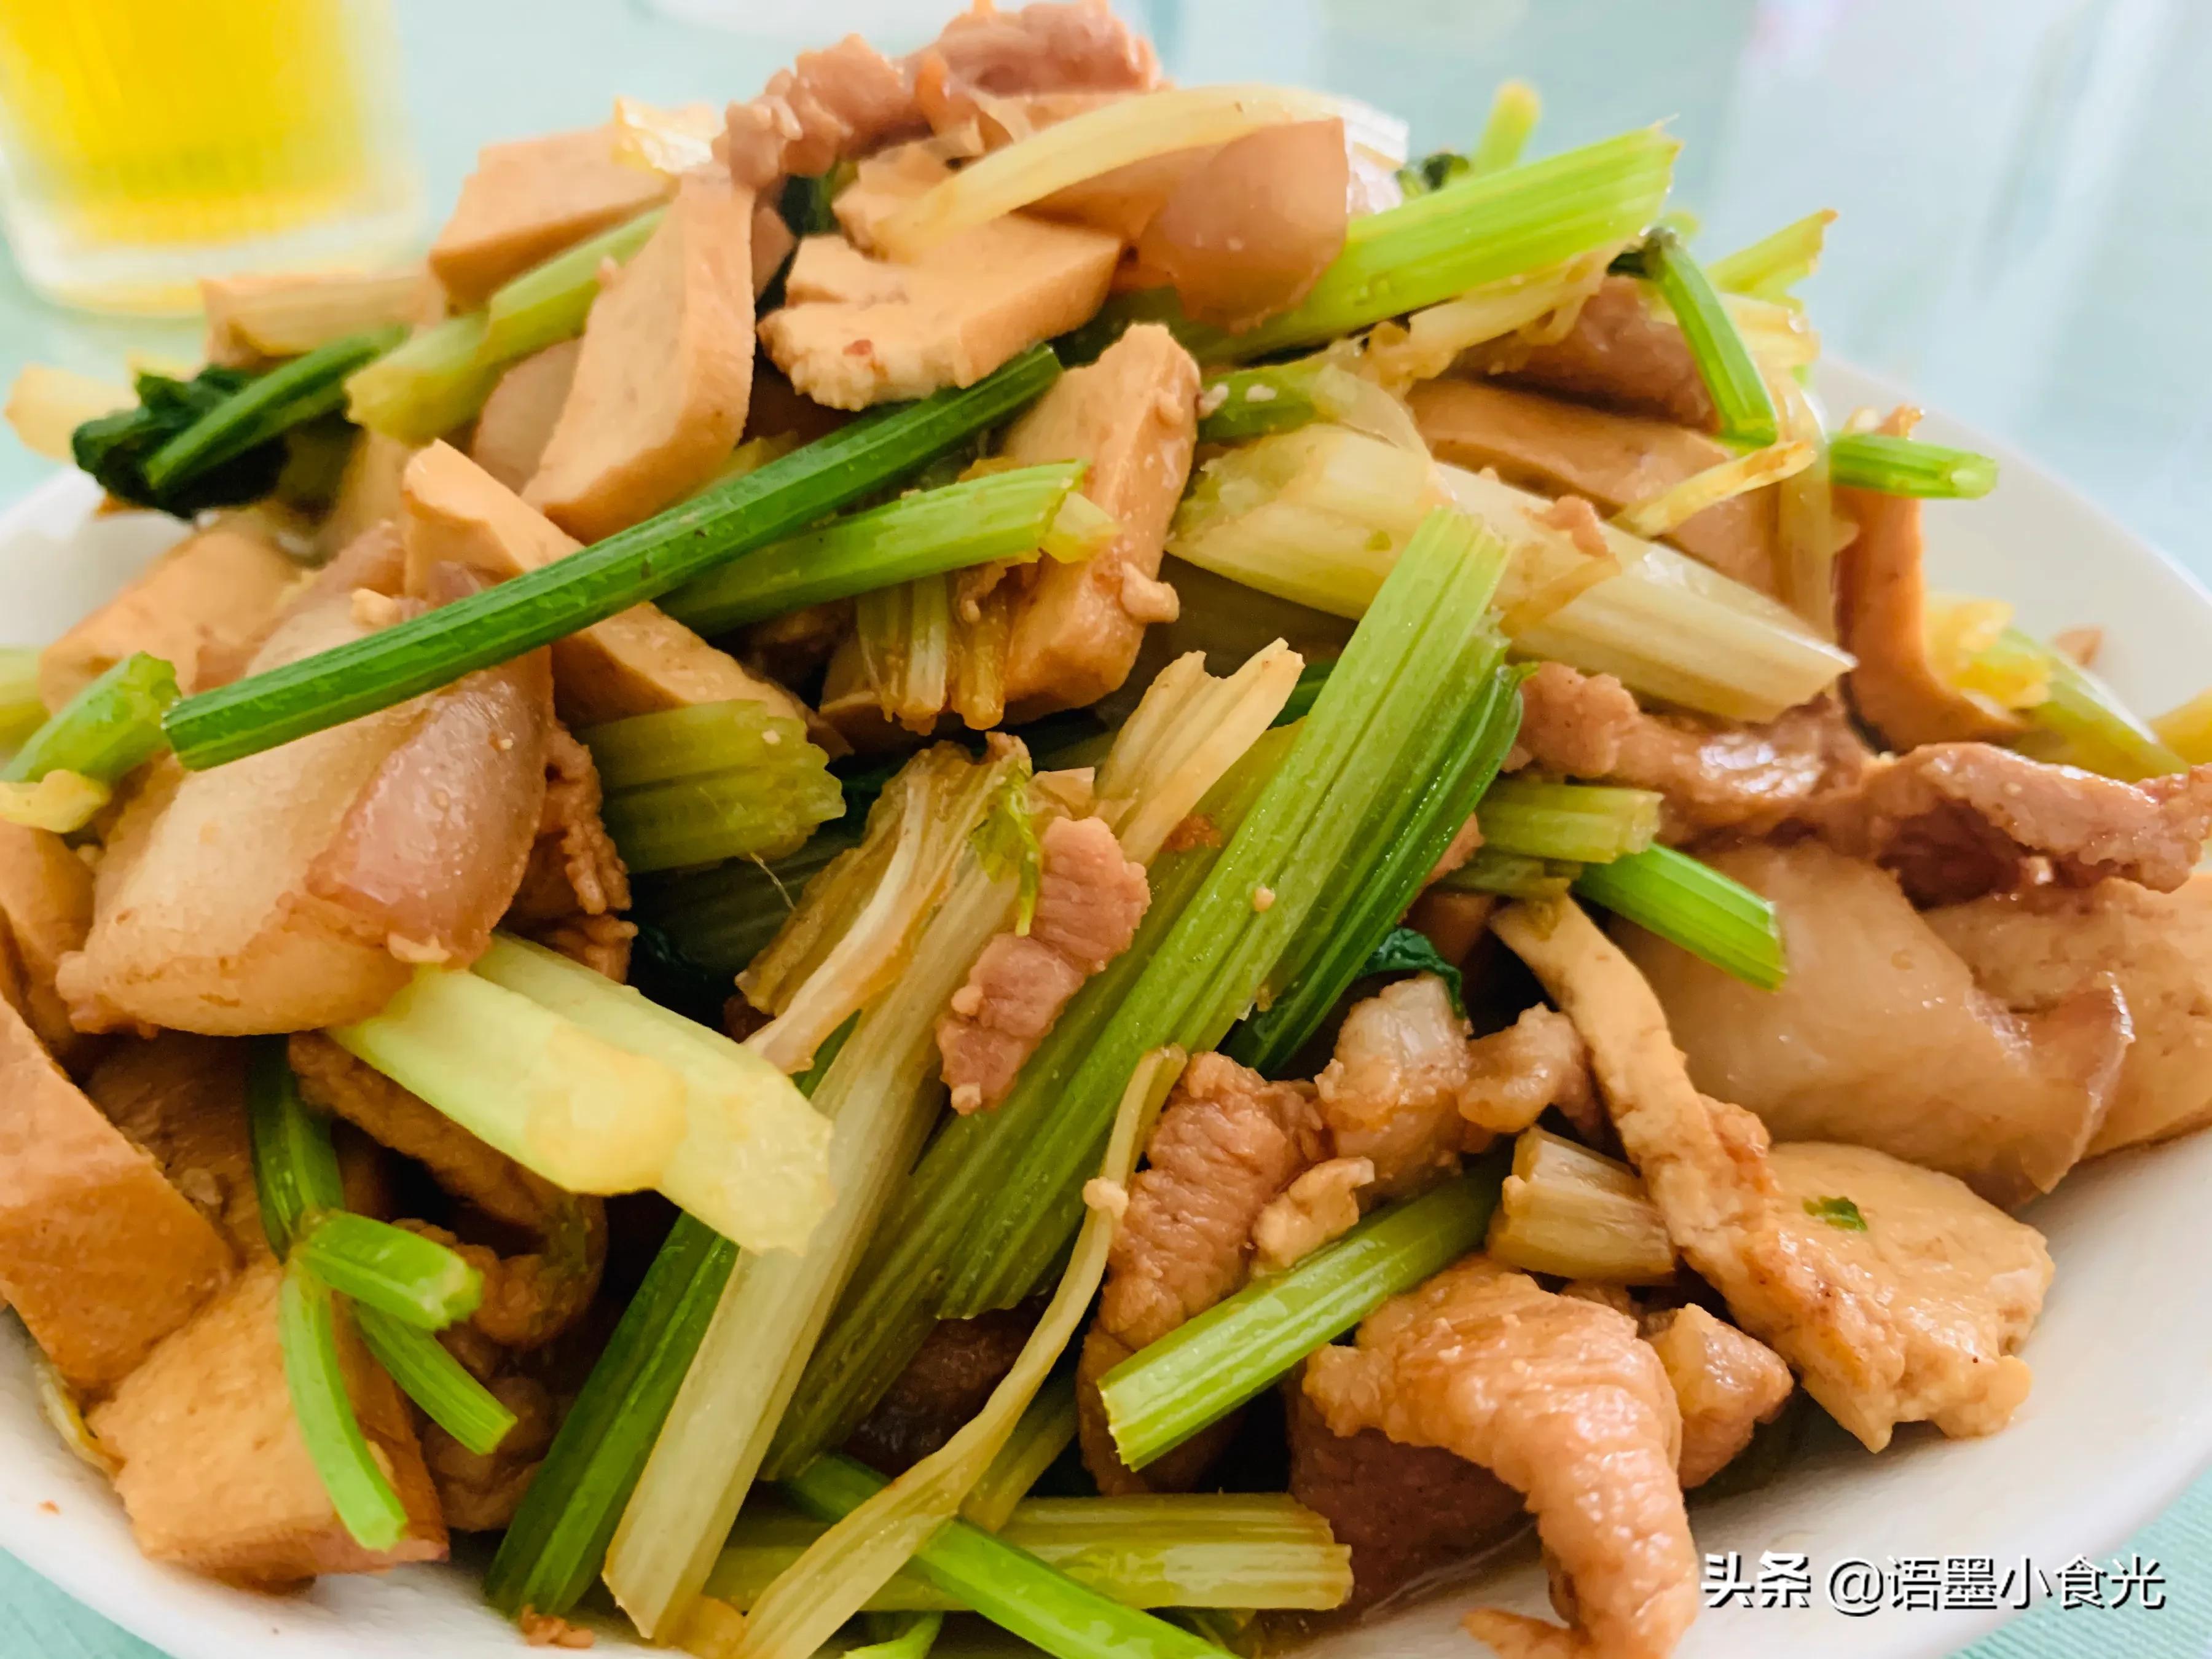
<point>2120,1423</point>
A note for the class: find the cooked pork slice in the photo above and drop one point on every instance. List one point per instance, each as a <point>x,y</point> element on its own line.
<point>853,331</point>
<point>532,1296</point>
<point>297,888</point>
<point>1089,900</point>
<point>574,882</point>
<point>1512,1075</point>
<point>637,662</point>
<point>182,1099</point>
<point>1880,1037</point>
<point>658,395</point>
<point>1402,1511</point>
<point>202,606</point>
<point>1614,461</point>
<point>945,1384</point>
<point>520,414</point>
<point>99,1255</point>
<point>1617,356</point>
<point>529,199</point>
<point>1957,820</point>
<point>2049,947</point>
<point>1714,776</point>
<point>1453,921</point>
<point>1725,1382</point>
<point>215,1473</point>
<point>1866,1333</point>
<point>1391,1093</point>
<point>1132,415</point>
<point>1557,1398</point>
<point>46,909</point>
<point>1881,596</point>
<point>480,1491</point>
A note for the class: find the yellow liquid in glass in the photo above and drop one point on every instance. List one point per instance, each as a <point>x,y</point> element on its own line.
<point>150,122</point>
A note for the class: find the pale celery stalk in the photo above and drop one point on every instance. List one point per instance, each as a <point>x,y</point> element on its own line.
<point>905,635</point>
<point>1808,535</point>
<point>1207,1550</point>
<point>1047,1430</point>
<point>754,1159</point>
<point>1658,515</point>
<point>860,1554</point>
<point>1568,1211</point>
<point>1514,111</point>
<point>1770,267</point>
<point>1573,822</point>
<point>1432,338</point>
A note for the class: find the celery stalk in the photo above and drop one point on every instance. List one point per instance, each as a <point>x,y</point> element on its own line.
<point>1514,111</point>
<point>268,405</point>
<point>306,1330</point>
<point>1513,875</point>
<point>1739,391</point>
<point>436,1381</point>
<point>1771,266</point>
<point>1206,1368</point>
<point>425,387</point>
<point>2079,721</point>
<point>1906,467</point>
<point>21,711</point>
<point>693,786</point>
<point>1574,823</point>
<point>417,1280</point>
<point>2186,729</point>
<point>1047,1430</point>
<point>1713,917</point>
<point>105,730</point>
<point>723,918</point>
<point>550,302</point>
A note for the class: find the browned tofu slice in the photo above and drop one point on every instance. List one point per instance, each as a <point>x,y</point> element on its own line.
<point>369,490</point>
<point>1134,416</point>
<point>215,1473</point>
<point>519,416</point>
<point>254,317</point>
<point>181,1098</point>
<point>202,607</point>
<point>660,393</point>
<point>1614,460</point>
<point>529,199</point>
<point>100,1256</point>
<point>635,663</point>
<point>46,907</point>
<point>854,330</point>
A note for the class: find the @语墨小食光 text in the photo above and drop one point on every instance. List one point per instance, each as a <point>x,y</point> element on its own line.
<point>1856,1587</point>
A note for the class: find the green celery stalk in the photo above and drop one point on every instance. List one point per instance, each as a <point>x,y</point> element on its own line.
<point>1771,265</point>
<point>1713,917</point>
<point>1206,1368</point>
<point>295,1168</point>
<point>287,396</point>
<point>639,564</point>
<point>1047,1430</point>
<point>1514,112</point>
<point>1570,822</point>
<point>2080,720</point>
<point>1250,403</point>
<point>1009,1586</point>
<point>550,302</point>
<point>1906,466</point>
<point>902,1636</point>
<point>105,730</point>
<point>723,918</point>
<point>424,388</point>
<point>436,1381</point>
<point>1731,373</point>
<point>1003,515</point>
<point>21,711</point>
<point>417,1280</point>
<point>306,1330</point>
<point>693,786</point>
<point>1513,875</point>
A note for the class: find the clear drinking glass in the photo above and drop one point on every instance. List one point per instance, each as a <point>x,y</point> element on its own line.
<point>145,143</point>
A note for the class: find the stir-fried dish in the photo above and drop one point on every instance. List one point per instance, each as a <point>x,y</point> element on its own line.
<point>995,841</point>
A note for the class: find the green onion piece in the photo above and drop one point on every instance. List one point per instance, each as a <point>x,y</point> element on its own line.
<point>424,389</point>
<point>550,302</point>
<point>306,1330</point>
<point>1436,246</point>
<point>1714,918</point>
<point>1210,1550</point>
<point>723,918</point>
<point>270,405</point>
<point>1771,266</point>
<point>1205,1369</point>
<point>2080,720</point>
<point>1513,114</point>
<point>21,713</point>
<point>1003,515</point>
<point>436,1381</point>
<point>1512,875</point>
<point>295,1168</point>
<point>1009,1586</point>
<point>1250,403</point>
<point>694,786</point>
<point>639,564</point>
<point>1906,466</point>
<point>1571,823</point>
<point>417,1280</point>
<point>1730,373</point>
<point>553,1547</point>
<point>104,731</point>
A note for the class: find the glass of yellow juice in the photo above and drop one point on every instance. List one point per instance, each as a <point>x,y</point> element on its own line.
<point>146,143</point>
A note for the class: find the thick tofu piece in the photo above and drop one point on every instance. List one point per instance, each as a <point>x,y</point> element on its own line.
<point>854,331</point>
<point>529,199</point>
<point>182,1099</point>
<point>100,1256</point>
<point>46,907</point>
<point>661,387</point>
<point>634,663</point>
<point>215,1473</point>
<point>519,417</point>
<point>202,606</point>
<point>1134,416</point>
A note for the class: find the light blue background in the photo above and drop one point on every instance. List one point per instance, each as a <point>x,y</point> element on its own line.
<point>2026,240</point>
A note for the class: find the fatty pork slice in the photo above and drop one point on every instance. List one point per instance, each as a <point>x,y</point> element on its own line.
<point>299,887</point>
<point>1089,900</point>
<point>1557,1398</point>
<point>215,1473</point>
<point>1726,1384</point>
<point>1879,1329</point>
<point>2048,946</point>
<point>658,395</point>
<point>99,1255</point>
<point>1227,1142</point>
<point>1880,1037</point>
<point>1617,356</point>
<point>1954,821</point>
